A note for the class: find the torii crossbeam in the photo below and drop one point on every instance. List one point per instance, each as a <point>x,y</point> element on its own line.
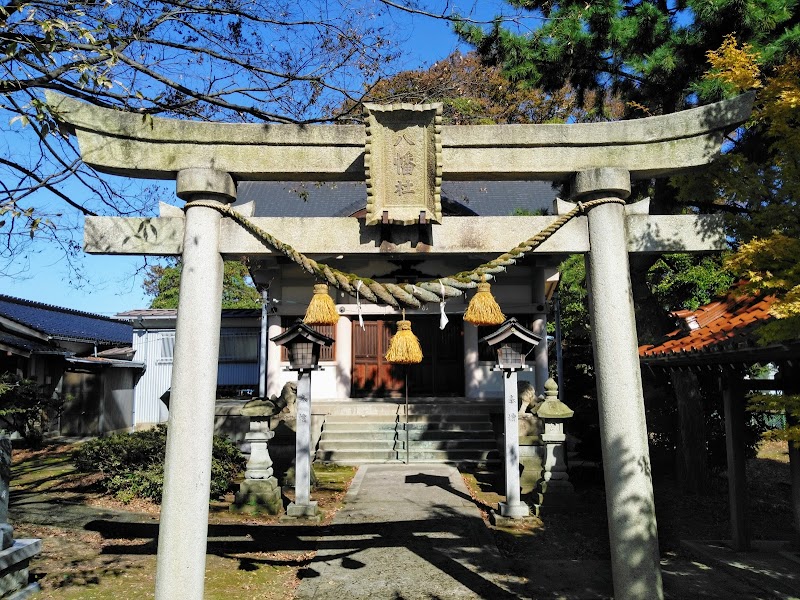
<point>599,160</point>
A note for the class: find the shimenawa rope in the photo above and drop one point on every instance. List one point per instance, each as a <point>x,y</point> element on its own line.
<point>405,295</point>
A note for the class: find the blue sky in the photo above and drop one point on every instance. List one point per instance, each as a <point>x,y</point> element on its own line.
<point>113,283</point>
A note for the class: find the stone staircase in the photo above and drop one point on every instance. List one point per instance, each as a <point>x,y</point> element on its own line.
<point>458,433</point>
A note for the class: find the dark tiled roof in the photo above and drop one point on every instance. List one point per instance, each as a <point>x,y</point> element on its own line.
<point>728,322</point>
<point>22,343</point>
<point>342,199</point>
<point>65,323</point>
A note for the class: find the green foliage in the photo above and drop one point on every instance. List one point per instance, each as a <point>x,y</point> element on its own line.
<point>686,282</point>
<point>133,463</point>
<point>574,299</point>
<point>526,212</point>
<point>578,385</point>
<point>652,54</point>
<point>238,291</point>
<point>662,422</point>
<point>25,407</point>
<point>788,404</point>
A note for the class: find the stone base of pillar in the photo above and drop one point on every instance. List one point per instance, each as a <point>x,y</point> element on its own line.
<point>513,523</point>
<point>14,562</point>
<point>258,496</point>
<point>514,511</point>
<point>306,511</point>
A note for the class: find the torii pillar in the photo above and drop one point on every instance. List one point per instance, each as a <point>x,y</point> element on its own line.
<point>183,528</point>
<point>630,506</point>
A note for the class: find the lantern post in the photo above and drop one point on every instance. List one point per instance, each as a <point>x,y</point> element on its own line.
<point>303,346</point>
<point>513,343</point>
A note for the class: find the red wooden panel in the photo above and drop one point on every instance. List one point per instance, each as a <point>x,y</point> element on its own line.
<point>440,373</point>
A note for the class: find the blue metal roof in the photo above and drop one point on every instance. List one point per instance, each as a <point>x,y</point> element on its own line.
<point>65,323</point>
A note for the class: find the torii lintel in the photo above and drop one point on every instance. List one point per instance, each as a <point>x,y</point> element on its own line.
<point>136,145</point>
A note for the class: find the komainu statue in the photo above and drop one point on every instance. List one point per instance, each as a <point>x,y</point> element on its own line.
<point>283,404</point>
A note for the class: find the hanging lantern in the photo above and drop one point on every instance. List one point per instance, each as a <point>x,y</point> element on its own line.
<point>483,308</point>
<point>404,348</point>
<point>321,310</point>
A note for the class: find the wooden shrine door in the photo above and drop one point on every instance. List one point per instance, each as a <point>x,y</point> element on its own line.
<point>441,372</point>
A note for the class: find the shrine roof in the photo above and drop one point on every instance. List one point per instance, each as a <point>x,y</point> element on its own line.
<point>720,331</point>
<point>343,199</point>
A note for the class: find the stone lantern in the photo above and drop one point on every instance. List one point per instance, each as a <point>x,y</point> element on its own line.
<point>513,343</point>
<point>554,490</point>
<point>303,345</point>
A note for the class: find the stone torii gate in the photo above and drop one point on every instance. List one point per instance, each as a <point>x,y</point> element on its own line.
<point>599,160</point>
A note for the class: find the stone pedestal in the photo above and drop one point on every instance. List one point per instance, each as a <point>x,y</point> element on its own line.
<point>15,555</point>
<point>307,509</point>
<point>554,491</point>
<point>530,452</point>
<point>6,531</point>
<point>259,492</point>
<point>258,496</point>
<point>14,563</point>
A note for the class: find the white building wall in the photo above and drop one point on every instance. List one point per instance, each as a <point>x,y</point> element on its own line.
<point>323,382</point>
<point>157,377</point>
<point>154,348</point>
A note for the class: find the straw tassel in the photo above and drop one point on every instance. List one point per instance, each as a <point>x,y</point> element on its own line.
<point>404,348</point>
<point>321,310</point>
<point>483,308</point>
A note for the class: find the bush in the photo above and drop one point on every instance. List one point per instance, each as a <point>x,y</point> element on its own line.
<point>133,463</point>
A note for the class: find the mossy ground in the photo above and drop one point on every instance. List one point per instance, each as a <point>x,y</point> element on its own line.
<point>248,557</point>
<point>260,557</point>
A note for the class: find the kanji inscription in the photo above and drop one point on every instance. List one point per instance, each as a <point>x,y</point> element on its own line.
<point>403,163</point>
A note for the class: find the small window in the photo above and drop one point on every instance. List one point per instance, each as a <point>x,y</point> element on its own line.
<point>239,346</point>
<point>167,342</point>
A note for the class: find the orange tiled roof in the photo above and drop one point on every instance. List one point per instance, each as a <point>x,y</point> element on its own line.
<point>716,323</point>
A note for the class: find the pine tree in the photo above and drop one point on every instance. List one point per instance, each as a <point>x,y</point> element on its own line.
<point>650,53</point>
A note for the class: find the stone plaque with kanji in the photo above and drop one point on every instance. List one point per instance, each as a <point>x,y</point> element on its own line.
<point>403,163</point>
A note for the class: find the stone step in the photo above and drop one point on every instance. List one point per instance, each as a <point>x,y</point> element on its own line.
<point>438,456</point>
<point>381,407</point>
<point>413,433</point>
<point>400,444</point>
<point>428,455</point>
<point>446,426</point>
<point>435,418</point>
